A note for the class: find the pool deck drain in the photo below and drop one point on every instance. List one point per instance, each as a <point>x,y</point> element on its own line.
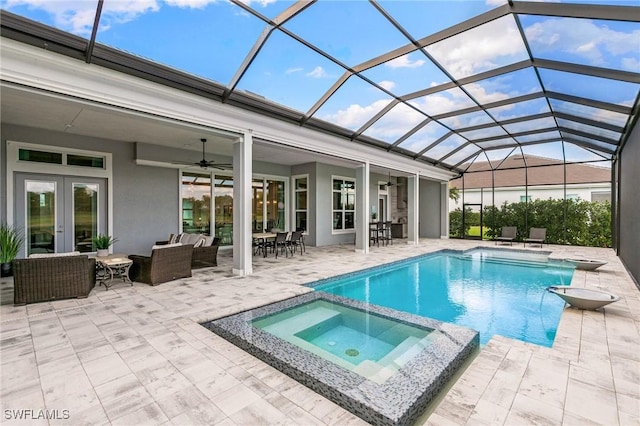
<point>398,400</point>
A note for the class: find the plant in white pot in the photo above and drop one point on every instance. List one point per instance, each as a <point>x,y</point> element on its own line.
<point>102,243</point>
<point>11,239</point>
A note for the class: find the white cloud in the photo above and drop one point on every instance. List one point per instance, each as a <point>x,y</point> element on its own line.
<point>189,4</point>
<point>630,64</point>
<point>597,43</point>
<point>262,3</point>
<point>293,70</point>
<point>78,16</point>
<point>496,2</point>
<point>486,47</point>
<point>318,72</point>
<point>386,84</point>
<point>355,115</point>
<point>404,62</point>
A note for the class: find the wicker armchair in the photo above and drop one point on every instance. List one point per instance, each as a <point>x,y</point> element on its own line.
<point>165,264</point>
<point>204,257</point>
<point>52,278</point>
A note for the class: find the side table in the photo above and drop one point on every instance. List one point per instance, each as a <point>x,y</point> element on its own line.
<point>113,266</point>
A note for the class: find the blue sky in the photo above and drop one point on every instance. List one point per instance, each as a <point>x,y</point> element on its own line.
<point>211,38</point>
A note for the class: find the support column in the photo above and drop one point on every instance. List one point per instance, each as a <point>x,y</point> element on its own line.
<point>444,210</point>
<point>242,175</point>
<point>362,208</point>
<point>413,209</point>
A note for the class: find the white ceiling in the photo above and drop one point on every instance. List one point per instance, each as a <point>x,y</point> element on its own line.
<point>33,109</point>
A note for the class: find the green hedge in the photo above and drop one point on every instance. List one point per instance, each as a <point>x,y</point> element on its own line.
<point>588,223</point>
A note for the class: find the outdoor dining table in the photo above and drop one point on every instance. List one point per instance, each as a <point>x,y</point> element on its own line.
<point>263,237</point>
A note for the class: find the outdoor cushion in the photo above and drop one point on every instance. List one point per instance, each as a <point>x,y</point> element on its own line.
<point>162,246</point>
<point>45,255</point>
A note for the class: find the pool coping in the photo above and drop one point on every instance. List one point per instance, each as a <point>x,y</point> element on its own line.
<point>399,400</point>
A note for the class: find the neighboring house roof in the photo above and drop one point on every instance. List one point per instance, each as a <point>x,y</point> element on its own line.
<point>545,171</point>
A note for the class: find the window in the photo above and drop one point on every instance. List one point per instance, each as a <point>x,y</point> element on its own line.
<point>344,203</point>
<point>300,199</point>
<point>601,196</point>
<point>572,196</point>
<point>36,156</point>
<point>196,203</point>
<point>268,212</point>
<point>524,198</point>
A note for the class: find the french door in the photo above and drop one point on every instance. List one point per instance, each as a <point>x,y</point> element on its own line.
<point>60,213</point>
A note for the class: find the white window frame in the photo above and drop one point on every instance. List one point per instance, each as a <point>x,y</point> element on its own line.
<point>343,210</point>
<point>211,198</point>
<point>294,199</point>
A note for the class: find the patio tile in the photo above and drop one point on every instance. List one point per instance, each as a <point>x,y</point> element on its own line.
<point>259,412</point>
<point>292,410</point>
<point>235,399</point>
<point>150,414</point>
<point>487,413</point>
<point>528,411</point>
<point>217,385</point>
<point>593,377</point>
<point>591,402</point>
<point>105,369</point>
<point>545,380</point>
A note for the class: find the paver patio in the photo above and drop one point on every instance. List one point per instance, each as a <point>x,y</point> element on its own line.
<point>137,355</point>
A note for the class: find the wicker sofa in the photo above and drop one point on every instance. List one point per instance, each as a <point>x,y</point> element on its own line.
<point>205,254</point>
<point>52,278</point>
<point>166,263</point>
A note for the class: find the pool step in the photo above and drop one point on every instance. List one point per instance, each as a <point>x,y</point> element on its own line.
<point>302,321</point>
<point>388,365</point>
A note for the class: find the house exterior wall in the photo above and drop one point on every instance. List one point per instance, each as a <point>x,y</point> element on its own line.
<point>324,211</point>
<point>512,194</point>
<point>629,204</point>
<point>430,208</point>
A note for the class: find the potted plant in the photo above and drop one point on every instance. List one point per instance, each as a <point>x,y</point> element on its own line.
<point>102,242</point>
<point>11,239</point>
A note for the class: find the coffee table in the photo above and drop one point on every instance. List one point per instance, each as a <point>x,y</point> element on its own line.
<point>111,267</point>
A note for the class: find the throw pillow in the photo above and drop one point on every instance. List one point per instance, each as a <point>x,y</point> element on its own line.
<point>208,240</point>
<point>200,242</point>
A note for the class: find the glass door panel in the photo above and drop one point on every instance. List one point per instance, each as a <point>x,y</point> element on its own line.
<point>40,216</point>
<point>85,216</point>
<point>275,205</point>
<point>224,209</point>
<point>257,215</point>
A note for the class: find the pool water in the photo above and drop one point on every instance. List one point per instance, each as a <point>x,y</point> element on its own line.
<point>365,343</point>
<point>477,289</point>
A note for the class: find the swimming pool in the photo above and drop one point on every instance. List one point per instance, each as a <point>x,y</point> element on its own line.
<point>493,291</point>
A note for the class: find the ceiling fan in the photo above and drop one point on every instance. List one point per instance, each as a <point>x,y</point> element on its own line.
<point>204,163</point>
<point>389,183</point>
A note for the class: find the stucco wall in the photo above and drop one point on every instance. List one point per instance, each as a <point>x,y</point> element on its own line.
<point>430,208</point>
<point>629,244</point>
<point>323,200</point>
